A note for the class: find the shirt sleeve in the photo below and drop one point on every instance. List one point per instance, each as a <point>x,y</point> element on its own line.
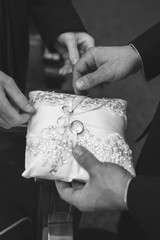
<point>53,17</point>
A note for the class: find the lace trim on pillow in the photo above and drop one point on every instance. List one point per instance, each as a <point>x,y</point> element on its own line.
<point>114,106</point>
<point>56,147</point>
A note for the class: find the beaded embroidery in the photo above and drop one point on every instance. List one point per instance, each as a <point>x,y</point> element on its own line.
<point>56,148</point>
<point>114,106</point>
<point>50,148</point>
<point>52,145</point>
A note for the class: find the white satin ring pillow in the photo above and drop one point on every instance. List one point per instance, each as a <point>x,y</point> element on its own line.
<point>63,120</point>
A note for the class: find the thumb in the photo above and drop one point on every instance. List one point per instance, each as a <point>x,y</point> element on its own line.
<point>90,80</point>
<point>85,159</point>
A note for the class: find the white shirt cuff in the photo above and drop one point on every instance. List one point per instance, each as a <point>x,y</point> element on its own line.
<point>142,70</point>
<point>126,192</point>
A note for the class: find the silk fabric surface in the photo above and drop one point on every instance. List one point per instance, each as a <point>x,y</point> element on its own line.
<point>63,120</point>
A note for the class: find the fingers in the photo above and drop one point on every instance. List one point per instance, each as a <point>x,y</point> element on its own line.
<point>86,159</point>
<point>72,50</point>
<point>89,80</point>
<point>90,42</point>
<point>85,41</point>
<point>70,41</point>
<point>66,68</point>
<point>12,99</point>
<point>68,193</point>
<point>14,93</point>
<point>80,194</point>
<point>4,124</point>
<point>9,114</point>
<point>76,43</point>
<point>85,65</point>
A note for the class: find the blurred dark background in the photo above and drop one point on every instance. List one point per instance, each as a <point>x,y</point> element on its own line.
<point>110,22</point>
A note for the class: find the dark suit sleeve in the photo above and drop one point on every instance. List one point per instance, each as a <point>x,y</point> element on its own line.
<point>143,200</point>
<point>148,45</point>
<point>54,17</point>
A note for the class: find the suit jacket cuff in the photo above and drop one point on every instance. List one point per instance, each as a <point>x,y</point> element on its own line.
<point>148,46</point>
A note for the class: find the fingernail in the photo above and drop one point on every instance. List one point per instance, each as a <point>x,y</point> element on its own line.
<point>30,108</point>
<point>74,61</point>
<point>79,84</point>
<point>78,151</point>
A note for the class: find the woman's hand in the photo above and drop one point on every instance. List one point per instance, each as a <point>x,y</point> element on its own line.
<point>11,101</point>
<point>71,46</point>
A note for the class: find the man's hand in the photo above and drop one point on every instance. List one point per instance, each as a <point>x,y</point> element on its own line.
<point>71,46</point>
<point>11,100</point>
<point>105,188</point>
<point>105,65</point>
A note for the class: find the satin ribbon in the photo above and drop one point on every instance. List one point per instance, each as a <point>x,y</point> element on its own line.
<point>75,127</point>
